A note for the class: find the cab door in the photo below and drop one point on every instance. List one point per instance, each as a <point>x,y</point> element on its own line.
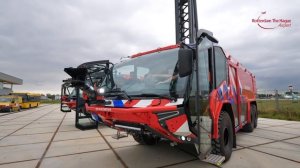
<point>226,73</point>
<point>200,121</point>
<point>234,100</point>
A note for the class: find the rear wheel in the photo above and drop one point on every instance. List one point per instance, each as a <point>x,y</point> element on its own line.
<point>249,127</point>
<point>253,107</point>
<point>223,145</point>
<point>145,139</point>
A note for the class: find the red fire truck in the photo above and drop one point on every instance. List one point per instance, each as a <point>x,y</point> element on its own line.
<point>189,93</point>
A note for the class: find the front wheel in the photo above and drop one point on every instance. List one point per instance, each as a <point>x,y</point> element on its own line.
<point>145,139</point>
<point>223,145</point>
<point>249,127</point>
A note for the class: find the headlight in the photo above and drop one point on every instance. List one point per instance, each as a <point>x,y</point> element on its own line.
<point>101,90</point>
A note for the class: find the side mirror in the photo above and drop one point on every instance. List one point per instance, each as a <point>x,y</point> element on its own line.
<point>185,62</point>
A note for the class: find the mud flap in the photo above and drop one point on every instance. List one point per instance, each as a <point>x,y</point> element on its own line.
<point>205,155</point>
<point>205,125</point>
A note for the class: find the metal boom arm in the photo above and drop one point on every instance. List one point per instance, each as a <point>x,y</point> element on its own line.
<point>186,21</point>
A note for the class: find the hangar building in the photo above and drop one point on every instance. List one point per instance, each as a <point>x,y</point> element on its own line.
<point>7,82</point>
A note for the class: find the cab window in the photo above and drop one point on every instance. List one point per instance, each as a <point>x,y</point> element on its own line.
<point>220,66</point>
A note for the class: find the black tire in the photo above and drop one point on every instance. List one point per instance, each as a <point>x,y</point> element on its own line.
<point>223,145</point>
<point>249,127</point>
<point>253,107</point>
<point>145,139</point>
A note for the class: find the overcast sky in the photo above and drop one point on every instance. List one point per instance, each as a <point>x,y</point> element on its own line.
<point>40,38</point>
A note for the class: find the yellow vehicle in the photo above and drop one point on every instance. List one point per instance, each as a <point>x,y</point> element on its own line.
<point>10,103</point>
<point>29,100</point>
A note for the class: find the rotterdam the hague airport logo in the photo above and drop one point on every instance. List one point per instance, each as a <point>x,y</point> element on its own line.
<point>265,21</point>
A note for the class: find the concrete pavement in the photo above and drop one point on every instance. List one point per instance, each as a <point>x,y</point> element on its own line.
<point>45,137</point>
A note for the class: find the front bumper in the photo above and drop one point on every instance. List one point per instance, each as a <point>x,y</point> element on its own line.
<point>149,118</point>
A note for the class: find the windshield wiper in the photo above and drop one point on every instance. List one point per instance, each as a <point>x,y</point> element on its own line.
<point>155,95</point>
<point>116,92</point>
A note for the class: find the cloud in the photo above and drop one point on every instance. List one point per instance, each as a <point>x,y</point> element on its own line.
<point>272,55</point>
<point>40,38</point>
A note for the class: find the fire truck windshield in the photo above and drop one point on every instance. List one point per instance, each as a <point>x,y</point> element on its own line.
<point>151,74</point>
